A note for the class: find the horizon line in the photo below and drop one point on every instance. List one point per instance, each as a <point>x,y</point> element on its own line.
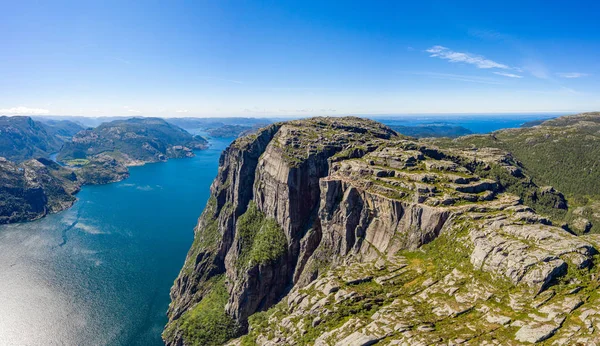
<point>306,115</point>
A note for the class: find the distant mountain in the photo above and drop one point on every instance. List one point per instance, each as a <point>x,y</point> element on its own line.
<point>63,129</point>
<point>423,131</point>
<point>234,131</point>
<point>133,141</point>
<point>81,120</point>
<point>22,138</point>
<point>34,188</point>
<point>212,123</point>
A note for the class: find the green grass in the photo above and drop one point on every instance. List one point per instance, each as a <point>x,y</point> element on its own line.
<point>565,157</point>
<point>207,323</point>
<point>261,239</point>
<point>205,239</point>
<point>78,162</point>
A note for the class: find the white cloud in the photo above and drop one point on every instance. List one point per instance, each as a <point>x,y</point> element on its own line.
<point>131,110</point>
<point>510,75</point>
<point>452,56</point>
<point>182,111</point>
<point>572,74</point>
<point>24,111</point>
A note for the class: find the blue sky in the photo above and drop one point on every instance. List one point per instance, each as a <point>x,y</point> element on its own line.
<point>277,58</point>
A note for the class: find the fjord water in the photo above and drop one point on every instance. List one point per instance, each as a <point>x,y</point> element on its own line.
<point>100,272</point>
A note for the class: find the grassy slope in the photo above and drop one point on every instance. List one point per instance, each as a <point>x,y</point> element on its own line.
<point>563,153</point>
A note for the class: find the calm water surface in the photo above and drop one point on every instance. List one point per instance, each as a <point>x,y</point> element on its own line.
<point>100,272</point>
<point>475,122</point>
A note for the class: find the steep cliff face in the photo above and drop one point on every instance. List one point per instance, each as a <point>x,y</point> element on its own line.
<point>304,210</point>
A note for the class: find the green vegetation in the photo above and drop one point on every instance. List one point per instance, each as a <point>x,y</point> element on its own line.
<point>207,323</point>
<point>523,187</point>
<point>261,239</point>
<point>78,162</point>
<point>206,238</point>
<point>562,153</point>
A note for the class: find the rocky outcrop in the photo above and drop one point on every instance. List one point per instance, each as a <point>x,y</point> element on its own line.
<point>102,169</point>
<point>345,230</point>
<point>33,189</point>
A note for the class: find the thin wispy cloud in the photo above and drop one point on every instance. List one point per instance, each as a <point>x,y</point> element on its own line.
<point>21,110</point>
<point>532,64</point>
<point>182,111</point>
<point>510,75</point>
<point>537,69</point>
<point>572,74</point>
<point>467,58</point>
<point>459,77</point>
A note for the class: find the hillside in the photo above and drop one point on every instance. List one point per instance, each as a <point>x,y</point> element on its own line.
<point>34,188</point>
<point>338,231</point>
<point>133,141</point>
<point>214,123</point>
<point>63,129</point>
<point>562,153</point>
<point>22,138</point>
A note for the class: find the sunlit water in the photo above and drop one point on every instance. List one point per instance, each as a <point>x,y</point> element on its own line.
<point>475,122</point>
<point>100,272</point>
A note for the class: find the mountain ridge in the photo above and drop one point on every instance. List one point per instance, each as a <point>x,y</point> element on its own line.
<point>357,203</point>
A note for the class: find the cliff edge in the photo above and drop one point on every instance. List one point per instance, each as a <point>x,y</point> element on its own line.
<point>339,231</point>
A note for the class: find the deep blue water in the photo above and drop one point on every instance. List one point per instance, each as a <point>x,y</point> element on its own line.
<point>100,272</point>
<point>474,122</point>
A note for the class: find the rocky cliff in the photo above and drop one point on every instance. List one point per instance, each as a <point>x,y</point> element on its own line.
<point>338,231</point>
<point>34,188</point>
